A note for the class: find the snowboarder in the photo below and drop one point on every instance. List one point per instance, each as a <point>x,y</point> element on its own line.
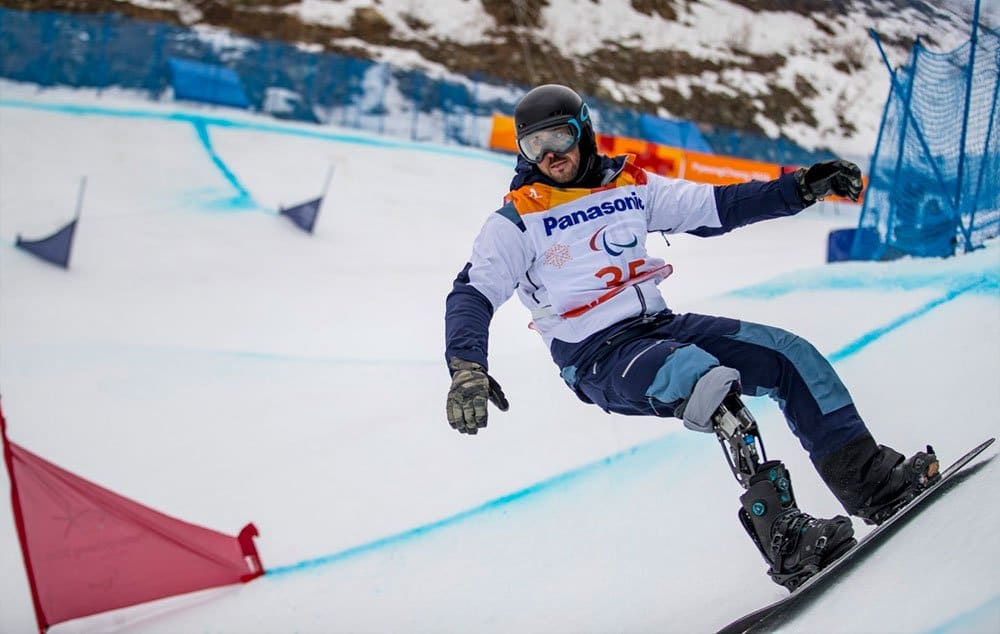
<point>570,240</point>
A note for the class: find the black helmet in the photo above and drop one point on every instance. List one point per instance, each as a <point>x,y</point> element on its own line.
<point>549,106</point>
<point>552,105</point>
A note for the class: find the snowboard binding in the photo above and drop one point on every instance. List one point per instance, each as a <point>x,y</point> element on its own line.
<point>905,482</point>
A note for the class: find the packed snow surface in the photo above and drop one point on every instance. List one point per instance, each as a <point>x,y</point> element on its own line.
<point>205,357</point>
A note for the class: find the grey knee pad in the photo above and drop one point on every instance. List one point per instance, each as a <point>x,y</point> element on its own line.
<point>706,396</point>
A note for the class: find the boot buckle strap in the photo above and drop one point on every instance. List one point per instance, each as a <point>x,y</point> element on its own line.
<point>820,545</point>
<point>776,542</point>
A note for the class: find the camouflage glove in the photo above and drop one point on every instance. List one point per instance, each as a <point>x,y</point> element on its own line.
<point>471,387</point>
<point>839,177</point>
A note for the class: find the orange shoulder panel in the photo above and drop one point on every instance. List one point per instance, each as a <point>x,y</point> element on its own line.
<point>536,198</point>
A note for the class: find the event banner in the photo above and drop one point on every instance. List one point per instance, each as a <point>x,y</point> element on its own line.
<point>726,170</point>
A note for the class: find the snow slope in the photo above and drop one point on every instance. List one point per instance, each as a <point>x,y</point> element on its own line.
<point>208,359</point>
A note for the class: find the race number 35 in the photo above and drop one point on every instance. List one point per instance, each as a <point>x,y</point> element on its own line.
<point>614,276</point>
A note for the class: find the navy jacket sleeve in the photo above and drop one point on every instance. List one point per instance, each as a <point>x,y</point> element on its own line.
<point>467,321</point>
<point>746,203</point>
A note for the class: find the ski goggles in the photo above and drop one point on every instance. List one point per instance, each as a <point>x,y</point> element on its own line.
<point>534,145</point>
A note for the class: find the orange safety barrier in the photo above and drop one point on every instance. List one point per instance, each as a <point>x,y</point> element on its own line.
<point>502,136</point>
<point>726,170</point>
<point>661,159</point>
<point>668,161</point>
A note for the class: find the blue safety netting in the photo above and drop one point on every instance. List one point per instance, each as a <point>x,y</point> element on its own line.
<point>683,134</point>
<point>934,184</point>
<point>294,82</point>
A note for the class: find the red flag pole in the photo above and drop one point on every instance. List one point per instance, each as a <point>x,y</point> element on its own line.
<point>22,535</point>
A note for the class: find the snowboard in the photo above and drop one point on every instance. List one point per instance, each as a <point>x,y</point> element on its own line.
<point>778,613</point>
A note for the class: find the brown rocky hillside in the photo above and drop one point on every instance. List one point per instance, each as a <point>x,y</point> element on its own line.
<point>515,48</point>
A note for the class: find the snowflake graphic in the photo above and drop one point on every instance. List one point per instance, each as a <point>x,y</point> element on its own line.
<point>557,255</point>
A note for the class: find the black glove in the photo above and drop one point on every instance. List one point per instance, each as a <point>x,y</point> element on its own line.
<point>470,389</point>
<point>839,177</point>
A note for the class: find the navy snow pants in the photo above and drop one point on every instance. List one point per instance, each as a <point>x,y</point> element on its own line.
<point>652,374</point>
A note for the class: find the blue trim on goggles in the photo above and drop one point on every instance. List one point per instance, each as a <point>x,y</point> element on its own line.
<point>533,145</point>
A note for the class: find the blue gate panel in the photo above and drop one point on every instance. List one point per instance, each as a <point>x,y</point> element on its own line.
<point>209,83</point>
<point>852,244</point>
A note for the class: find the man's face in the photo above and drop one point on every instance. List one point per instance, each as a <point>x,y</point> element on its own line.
<point>556,152</point>
<point>561,168</point>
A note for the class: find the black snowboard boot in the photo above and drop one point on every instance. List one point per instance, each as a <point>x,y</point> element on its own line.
<point>906,480</point>
<point>874,481</point>
<point>795,544</point>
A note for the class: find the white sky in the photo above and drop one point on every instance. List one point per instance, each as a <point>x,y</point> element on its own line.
<point>215,363</point>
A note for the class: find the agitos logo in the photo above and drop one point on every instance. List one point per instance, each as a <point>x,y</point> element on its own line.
<point>608,245</point>
<point>608,207</point>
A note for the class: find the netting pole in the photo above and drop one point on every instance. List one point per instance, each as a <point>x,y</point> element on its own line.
<point>908,116</point>
<point>310,84</point>
<point>157,75</point>
<point>416,106</point>
<point>386,76</point>
<point>347,79</point>
<point>966,231</point>
<point>48,44</point>
<point>902,143</point>
<point>872,169</point>
<point>102,56</point>
<point>473,138</point>
<point>986,148</point>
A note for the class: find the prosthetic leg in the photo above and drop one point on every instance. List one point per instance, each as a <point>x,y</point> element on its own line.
<point>794,544</point>
<point>739,436</point>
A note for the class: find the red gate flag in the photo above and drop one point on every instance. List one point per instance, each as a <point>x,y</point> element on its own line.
<point>88,550</point>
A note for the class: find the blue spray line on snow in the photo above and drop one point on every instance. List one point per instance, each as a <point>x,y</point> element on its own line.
<point>669,444</point>
<point>954,273</point>
<point>243,198</point>
<point>873,335</point>
<point>573,475</point>
<point>255,126</point>
<point>985,281</point>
